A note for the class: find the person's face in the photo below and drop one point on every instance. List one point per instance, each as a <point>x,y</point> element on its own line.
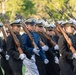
<point>49,32</point>
<point>30,27</point>
<point>38,28</point>
<point>16,28</point>
<point>69,29</point>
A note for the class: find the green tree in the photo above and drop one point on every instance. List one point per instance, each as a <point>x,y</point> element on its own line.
<point>59,9</point>
<point>11,7</point>
<point>28,8</point>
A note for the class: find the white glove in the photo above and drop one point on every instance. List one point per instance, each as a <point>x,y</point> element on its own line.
<point>36,51</point>
<point>74,56</point>
<point>45,48</point>
<point>56,47</point>
<point>33,58</point>
<point>7,57</point>
<point>1,50</point>
<point>22,56</point>
<point>46,61</point>
<point>56,60</point>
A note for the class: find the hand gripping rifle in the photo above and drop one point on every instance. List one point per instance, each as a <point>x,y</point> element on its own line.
<point>66,38</point>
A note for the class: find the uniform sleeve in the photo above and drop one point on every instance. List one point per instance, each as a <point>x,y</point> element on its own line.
<point>3,53</point>
<point>11,47</point>
<point>27,44</point>
<point>55,39</point>
<point>63,48</point>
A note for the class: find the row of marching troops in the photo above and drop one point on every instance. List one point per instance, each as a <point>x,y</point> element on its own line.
<point>42,49</point>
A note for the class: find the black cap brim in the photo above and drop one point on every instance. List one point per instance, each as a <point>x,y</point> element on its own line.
<point>16,24</point>
<point>30,23</point>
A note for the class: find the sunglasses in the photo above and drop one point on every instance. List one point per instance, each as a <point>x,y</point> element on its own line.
<point>19,26</point>
<point>40,26</point>
<point>49,30</point>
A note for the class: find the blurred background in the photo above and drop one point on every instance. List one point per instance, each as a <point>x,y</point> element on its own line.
<point>59,9</point>
<point>49,10</point>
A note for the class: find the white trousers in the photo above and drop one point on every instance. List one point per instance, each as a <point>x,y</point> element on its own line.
<point>31,68</point>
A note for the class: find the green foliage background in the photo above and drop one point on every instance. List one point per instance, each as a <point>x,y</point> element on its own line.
<point>34,8</point>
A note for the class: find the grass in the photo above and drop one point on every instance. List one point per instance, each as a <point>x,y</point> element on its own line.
<point>23,70</point>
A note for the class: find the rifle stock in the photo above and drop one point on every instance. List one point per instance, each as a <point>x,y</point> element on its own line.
<point>66,38</point>
<point>42,44</point>
<point>48,38</point>
<point>56,32</point>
